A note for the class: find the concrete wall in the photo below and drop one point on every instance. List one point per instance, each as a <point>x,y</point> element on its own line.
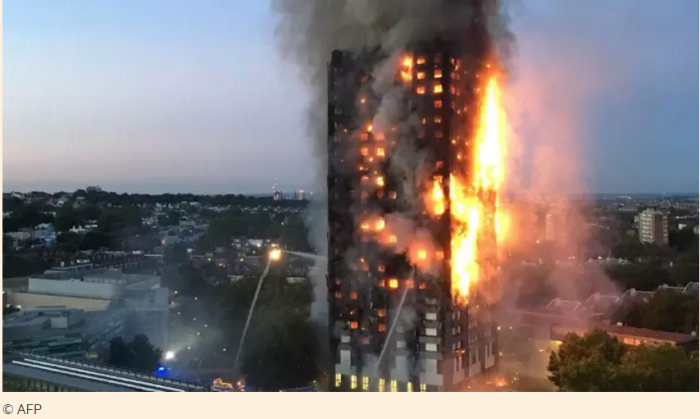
<point>75,288</point>
<point>31,300</point>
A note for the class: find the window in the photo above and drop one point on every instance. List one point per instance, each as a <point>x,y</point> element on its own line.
<point>438,119</point>
<point>409,387</point>
<point>353,382</point>
<point>437,89</point>
<point>431,331</point>
<point>423,387</point>
<point>438,74</point>
<point>381,312</point>
<point>365,383</point>
<point>353,325</point>
<point>431,347</point>
<point>438,58</point>
<point>438,104</point>
<point>338,295</point>
<point>420,60</point>
<point>394,386</point>
<point>420,75</point>
<point>380,386</point>
<point>420,90</point>
<point>353,295</point>
<point>338,380</point>
<point>382,327</point>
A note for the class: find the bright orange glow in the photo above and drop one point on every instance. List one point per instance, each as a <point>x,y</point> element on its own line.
<point>363,100</point>
<point>474,196</point>
<point>437,197</point>
<point>379,226</point>
<point>437,88</point>
<point>422,254</point>
<point>393,283</point>
<point>275,254</point>
<point>407,69</point>
<point>380,152</point>
<point>420,90</point>
<point>369,128</point>
<point>438,74</point>
<point>380,181</point>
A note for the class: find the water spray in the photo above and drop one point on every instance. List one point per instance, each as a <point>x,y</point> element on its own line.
<point>274,255</point>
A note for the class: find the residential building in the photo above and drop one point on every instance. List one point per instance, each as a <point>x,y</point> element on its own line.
<point>448,342</point>
<point>653,227</point>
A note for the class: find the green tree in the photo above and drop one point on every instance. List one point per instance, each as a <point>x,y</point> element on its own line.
<point>588,363</point>
<point>137,354</point>
<point>660,368</point>
<point>599,362</point>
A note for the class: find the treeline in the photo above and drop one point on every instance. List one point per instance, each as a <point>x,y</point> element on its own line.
<point>600,362</point>
<point>289,229</point>
<point>10,203</point>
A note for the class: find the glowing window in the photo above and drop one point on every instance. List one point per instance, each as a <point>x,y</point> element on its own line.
<point>353,325</point>
<point>353,382</point>
<point>394,386</point>
<point>381,312</point>
<point>409,387</point>
<point>393,283</point>
<point>338,380</point>
<point>438,119</point>
<point>420,90</point>
<point>353,295</point>
<point>420,75</point>
<point>438,104</point>
<point>365,383</point>
<point>365,151</point>
<point>382,327</point>
<point>420,60</point>
<point>423,387</point>
<point>437,89</point>
<point>381,384</point>
<point>438,74</point>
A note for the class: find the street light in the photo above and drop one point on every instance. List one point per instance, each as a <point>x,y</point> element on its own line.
<point>170,355</point>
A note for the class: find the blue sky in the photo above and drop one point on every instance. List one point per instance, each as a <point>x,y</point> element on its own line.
<point>155,96</point>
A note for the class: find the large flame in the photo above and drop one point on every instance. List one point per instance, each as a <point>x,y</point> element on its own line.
<point>474,196</point>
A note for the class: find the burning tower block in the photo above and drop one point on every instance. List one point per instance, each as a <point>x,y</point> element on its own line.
<point>413,181</point>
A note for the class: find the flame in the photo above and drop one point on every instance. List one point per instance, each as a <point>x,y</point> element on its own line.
<point>407,69</point>
<point>474,196</point>
<point>437,197</point>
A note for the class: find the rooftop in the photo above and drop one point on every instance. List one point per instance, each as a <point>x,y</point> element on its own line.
<point>90,377</point>
<point>50,321</point>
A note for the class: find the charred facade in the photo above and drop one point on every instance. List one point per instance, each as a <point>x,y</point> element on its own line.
<point>395,324</point>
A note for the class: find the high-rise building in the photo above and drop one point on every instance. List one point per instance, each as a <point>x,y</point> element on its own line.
<point>438,342</point>
<point>653,227</point>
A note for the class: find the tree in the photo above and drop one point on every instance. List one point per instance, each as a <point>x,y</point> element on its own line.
<point>660,368</point>
<point>9,310</point>
<point>176,254</point>
<point>138,354</point>
<point>587,363</point>
<point>666,310</point>
<point>599,362</point>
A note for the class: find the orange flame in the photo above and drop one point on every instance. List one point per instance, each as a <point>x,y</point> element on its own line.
<point>474,197</point>
<point>407,69</point>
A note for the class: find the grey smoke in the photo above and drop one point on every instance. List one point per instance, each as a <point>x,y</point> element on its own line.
<point>307,33</point>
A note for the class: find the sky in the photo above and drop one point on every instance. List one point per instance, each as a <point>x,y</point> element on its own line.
<point>155,96</point>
